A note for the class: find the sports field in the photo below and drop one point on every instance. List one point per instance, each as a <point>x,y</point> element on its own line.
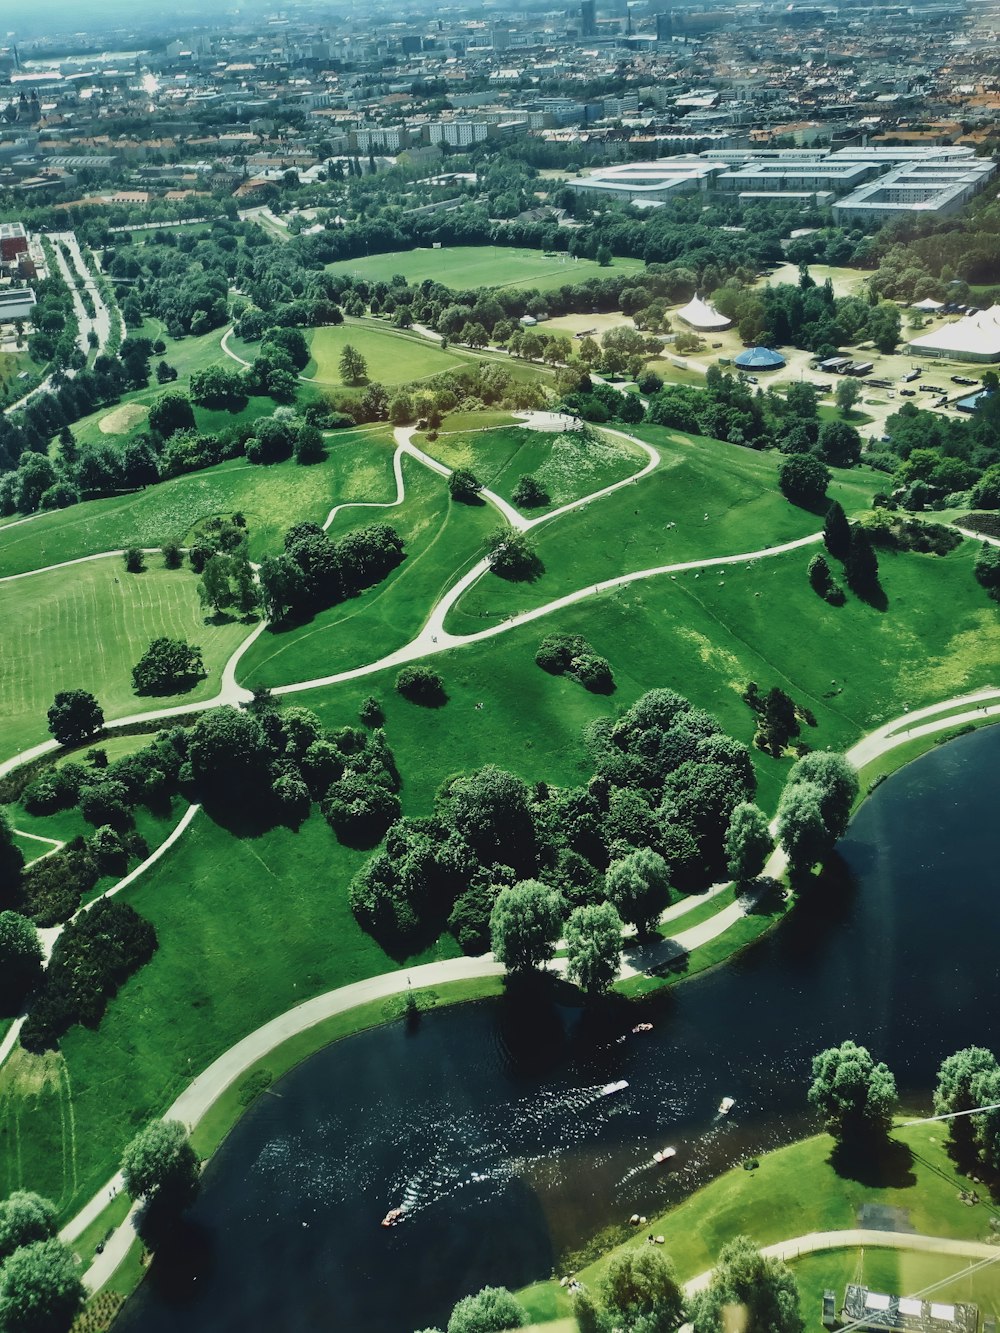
<point>86,628</point>
<point>462,267</point>
<point>392,357</point>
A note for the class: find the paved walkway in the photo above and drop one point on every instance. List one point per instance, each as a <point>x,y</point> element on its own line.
<point>857,1238</point>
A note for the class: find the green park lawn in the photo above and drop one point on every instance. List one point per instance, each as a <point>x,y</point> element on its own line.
<point>628,530</point>
<point>463,267</point>
<point>896,1272</point>
<point>800,1189</point>
<point>853,666</point>
<point>271,499</point>
<point>443,538</point>
<point>87,628</point>
<point>248,927</point>
<point>567,464</point>
<point>392,356</point>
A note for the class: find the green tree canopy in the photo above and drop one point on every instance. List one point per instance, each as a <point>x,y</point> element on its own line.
<point>160,1163</point>
<point>593,947</point>
<point>855,1096</point>
<point>639,887</point>
<point>748,842</point>
<point>74,717</point>
<point>40,1290</point>
<point>803,479</point>
<point>956,1076</point>
<point>20,959</point>
<point>24,1219</point>
<point>492,1310</point>
<point>748,1292</point>
<point>168,666</point>
<point>525,924</point>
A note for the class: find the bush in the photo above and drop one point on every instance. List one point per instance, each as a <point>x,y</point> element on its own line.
<point>529,493</point>
<point>91,959</point>
<point>52,888</point>
<point>421,685</point>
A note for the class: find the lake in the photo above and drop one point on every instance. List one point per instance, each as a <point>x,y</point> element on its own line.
<point>486,1121</point>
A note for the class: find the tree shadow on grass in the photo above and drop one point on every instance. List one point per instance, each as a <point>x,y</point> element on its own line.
<point>179,685</point>
<point>874,1162</point>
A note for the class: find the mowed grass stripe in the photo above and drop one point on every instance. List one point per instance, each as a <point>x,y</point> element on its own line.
<point>86,628</point>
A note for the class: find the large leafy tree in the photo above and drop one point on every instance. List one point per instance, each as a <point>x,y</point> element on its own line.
<point>160,1164</point>
<point>803,479</point>
<point>40,1289</point>
<point>956,1077</point>
<point>20,958</point>
<point>639,887</point>
<point>748,1292</point>
<point>74,717</point>
<point>525,924</point>
<point>748,842</point>
<point>492,1310</point>
<point>353,367</point>
<point>855,1096</point>
<point>593,947</point>
<point>167,666</point>
<point>24,1219</point>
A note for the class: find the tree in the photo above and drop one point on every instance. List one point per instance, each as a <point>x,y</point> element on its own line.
<point>171,412</point>
<point>421,685</point>
<point>604,256</point>
<point>160,1164</point>
<point>135,560</point>
<point>512,556</point>
<point>227,746</point>
<point>748,842</point>
<point>748,1292</point>
<point>353,366</point>
<point>838,443</point>
<point>525,924</point>
<point>74,717</point>
<point>837,782</point>
<point>11,861</point>
<point>172,557</point>
<point>822,582</point>
<point>847,394</point>
<point>802,829</point>
<point>464,486</point>
<point>593,947</point>
<point>20,961</point>
<point>25,1218</point>
<point>836,531</point>
<point>529,493</point>
<point>956,1078</point>
<point>803,480</point>
<point>492,1310</point>
<point>987,570</point>
<point>861,564</point>
<point>640,1292</point>
<point>213,586</point>
<point>168,666</point>
<point>40,1291</point>
<point>639,887</point>
<point>855,1096</point>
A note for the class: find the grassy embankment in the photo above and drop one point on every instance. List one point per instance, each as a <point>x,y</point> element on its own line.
<point>803,1188</point>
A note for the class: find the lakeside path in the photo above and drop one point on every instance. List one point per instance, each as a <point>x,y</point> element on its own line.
<point>816,1241</point>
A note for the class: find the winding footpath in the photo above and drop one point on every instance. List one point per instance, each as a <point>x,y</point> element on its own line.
<point>205,1090</point>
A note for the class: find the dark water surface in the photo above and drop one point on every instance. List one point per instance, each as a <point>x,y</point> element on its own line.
<point>487,1121</point>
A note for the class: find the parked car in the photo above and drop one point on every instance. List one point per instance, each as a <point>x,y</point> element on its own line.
<point>907,393</point>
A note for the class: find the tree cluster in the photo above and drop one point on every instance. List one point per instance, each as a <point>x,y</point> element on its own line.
<point>93,956</point>
<point>572,655</point>
<point>314,572</point>
<point>815,808</point>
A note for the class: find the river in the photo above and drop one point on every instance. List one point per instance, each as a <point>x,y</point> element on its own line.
<point>487,1121</point>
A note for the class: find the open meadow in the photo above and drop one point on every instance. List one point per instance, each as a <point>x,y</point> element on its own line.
<point>86,628</point>
<point>392,357</point>
<point>464,267</point>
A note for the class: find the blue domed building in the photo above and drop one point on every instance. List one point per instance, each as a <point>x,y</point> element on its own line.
<point>759,358</point>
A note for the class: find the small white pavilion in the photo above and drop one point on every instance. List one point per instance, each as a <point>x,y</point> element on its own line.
<point>700,315</point>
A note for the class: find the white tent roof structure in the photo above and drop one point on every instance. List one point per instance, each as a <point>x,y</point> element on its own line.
<point>928,303</point>
<point>700,315</point>
<point>975,337</point>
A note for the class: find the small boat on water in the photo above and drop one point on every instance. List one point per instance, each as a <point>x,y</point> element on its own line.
<point>664,1154</point>
<point>642,1027</point>
<point>726,1105</point>
<point>393,1216</point>
<point>609,1088</point>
